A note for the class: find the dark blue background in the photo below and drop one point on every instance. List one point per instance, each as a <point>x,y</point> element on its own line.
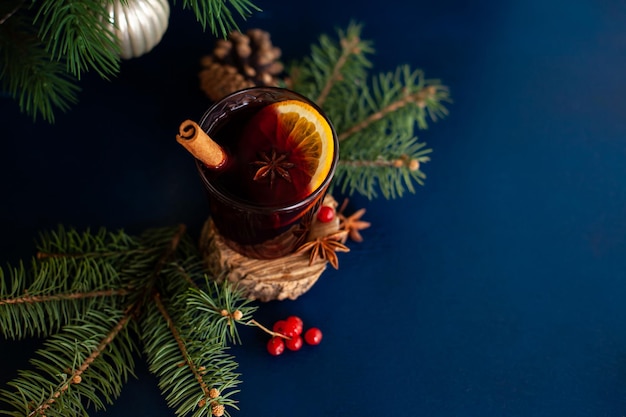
<point>497,289</point>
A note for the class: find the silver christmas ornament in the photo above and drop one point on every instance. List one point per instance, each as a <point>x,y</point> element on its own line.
<point>138,25</point>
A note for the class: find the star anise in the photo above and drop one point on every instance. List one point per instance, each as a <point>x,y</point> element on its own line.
<point>352,224</point>
<point>325,248</point>
<point>273,165</point>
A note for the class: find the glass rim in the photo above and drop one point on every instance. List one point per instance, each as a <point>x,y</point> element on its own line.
<point>230,200</point>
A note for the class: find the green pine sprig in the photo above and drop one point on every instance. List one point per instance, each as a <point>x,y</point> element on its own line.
<point>83,366</point>
<point>322,75</point>
<point>215,308</point>
<point>47,45</point>
<point>187,366</point>
<point>78,33</point>
<point>36,300</point>
<point>220,15</point>
<point>99,298</point>
<point>40,85</point>
<point>375,117</point>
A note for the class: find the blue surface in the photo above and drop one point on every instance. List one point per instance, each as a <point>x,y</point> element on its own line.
<point>497,289</point>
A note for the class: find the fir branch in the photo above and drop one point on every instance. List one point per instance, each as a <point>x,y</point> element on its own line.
<point>403,97</point>
<point>46,46</point>
<point>145,269</point>
<point>145,281</point>
<point>38,301</point>
<point>39,84</point>
<point>181,344</point>
<point>423,99</point>
<point>217,14</point>
<point>367,172</point>
<point>194,375</point>
<point>86,364</point>
<point>375,119</point>
<point>351,46</point>
<point>334,70</point>
<point>216,309</point>
<point>71,28</point>
<point>79,271</point>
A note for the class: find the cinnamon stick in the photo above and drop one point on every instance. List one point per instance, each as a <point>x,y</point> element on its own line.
<point>200,145</point>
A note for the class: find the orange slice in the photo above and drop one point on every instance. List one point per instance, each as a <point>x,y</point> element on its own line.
<point>308,136</point>
<point>291,147</point>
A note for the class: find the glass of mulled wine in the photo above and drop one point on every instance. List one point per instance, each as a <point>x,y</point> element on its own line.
<point>281,156</point>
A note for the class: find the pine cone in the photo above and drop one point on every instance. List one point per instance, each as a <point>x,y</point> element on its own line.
<point>241,61</point>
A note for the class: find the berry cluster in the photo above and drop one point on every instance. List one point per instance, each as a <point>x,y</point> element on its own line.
<point>289,333</point>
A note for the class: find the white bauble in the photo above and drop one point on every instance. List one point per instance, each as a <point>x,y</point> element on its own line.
<point>138,25</point>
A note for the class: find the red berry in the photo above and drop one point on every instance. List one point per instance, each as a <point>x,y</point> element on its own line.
<point>284,328</point>
<point>325,214</point>
<point>294,325</point>
<point>279,327</point>
<point>295,343</point>
<point>313,336</point>
<point>276,346</point>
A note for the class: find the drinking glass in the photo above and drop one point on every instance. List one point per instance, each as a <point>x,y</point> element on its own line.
<point>263,230</point>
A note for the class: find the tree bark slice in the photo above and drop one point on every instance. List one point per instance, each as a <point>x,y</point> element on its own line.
<point>283,278</point>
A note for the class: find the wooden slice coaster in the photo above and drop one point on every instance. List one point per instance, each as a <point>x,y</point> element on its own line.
<point>283,278</point>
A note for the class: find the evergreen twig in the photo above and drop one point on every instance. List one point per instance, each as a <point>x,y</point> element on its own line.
<point>333,67</point>
<point>375,118</point>
<point>217,14</point>
<point>47,45</point>
<point>215,309</point>
<point>39,84</point>
<point>351,46</point>
<point>133,283</point>
<point>86,364</point>
<point>61,281</point>
<point>78,33</point>
<point>422,98</point>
